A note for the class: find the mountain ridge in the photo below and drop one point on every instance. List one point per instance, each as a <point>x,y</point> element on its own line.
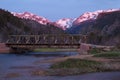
<point>64,23</point>
<point>105,30</point>
<point>12,25</point>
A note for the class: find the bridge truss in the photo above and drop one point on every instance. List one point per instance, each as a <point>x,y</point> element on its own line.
<point>46,40</point>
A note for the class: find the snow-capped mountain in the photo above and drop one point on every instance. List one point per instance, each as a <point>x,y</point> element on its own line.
<point>64,23</point>
<point>91,15</point>
<point>31,16</point>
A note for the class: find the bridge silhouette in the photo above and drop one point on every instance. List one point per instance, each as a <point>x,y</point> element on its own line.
<point>45,40</point>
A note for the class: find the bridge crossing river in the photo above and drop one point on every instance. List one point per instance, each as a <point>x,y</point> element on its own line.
<point>46,40</point>
<point>43,40</point>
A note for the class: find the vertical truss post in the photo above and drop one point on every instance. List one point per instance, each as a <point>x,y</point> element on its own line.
<point>36,39</point>
<point>27,39</point>
<point>18,39</point>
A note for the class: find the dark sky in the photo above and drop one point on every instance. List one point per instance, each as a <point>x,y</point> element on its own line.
<point>56,9</point>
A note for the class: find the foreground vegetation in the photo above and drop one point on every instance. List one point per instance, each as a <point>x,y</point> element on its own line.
<point>75,66</point>
<point>112,54</point>
<point>76,63</point>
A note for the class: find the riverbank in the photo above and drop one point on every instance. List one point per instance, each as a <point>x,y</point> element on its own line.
<point>35,67</point>
<point>55,50</point>
<point>79,64</point>
<point>95,61</point>
<point>4,48</point>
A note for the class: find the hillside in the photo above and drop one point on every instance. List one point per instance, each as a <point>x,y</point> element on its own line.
<point>104,30</point>
<point>10,25</point>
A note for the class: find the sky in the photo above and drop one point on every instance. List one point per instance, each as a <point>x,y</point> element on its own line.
<point>57,9</point>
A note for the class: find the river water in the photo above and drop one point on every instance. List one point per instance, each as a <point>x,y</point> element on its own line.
<point>21,66</point>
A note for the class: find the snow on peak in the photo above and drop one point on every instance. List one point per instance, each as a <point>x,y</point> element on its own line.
<point>31,16</point>
<point>64,23</point>
<point>92,15</point>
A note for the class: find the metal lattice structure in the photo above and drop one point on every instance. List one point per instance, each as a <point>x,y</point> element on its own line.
<point>45,40</point>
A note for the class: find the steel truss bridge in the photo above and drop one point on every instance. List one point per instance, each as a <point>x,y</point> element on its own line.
<point>45,40</point>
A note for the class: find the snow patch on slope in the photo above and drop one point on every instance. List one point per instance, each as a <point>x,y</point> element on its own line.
<point>92,15</point>
<point>31,16</point>
<point>64,23</point>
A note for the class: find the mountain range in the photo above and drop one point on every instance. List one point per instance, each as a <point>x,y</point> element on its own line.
<point>64,23</point>
<point>101,27</point>
<point>104,30</point>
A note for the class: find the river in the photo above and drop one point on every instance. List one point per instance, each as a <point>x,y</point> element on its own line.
<point>21,66</point>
